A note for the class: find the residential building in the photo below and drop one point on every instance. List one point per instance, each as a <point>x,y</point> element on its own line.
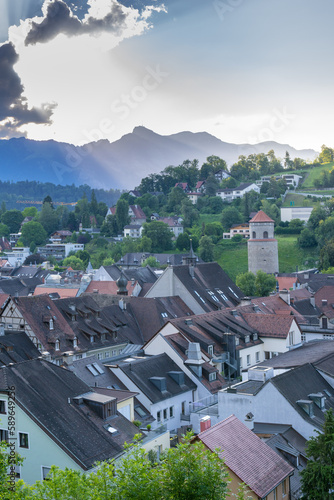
<point>163,389</point>
<point>59,250</point>
<point>221,174</point>
<point>242,229</point>
<point>136,259</point>
<point>292,212</point>
<point>136,214</point>
<point>238,192</point>
<point>203,287</point>
<point>248,460</point>
<point>290,179</point>
<point>132,231</point>
<point>194,196</point>
<point>59,420</point>
<point>60,236</point>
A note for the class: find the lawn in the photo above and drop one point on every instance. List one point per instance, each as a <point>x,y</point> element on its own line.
<point>314,173</point>
<point>234,260</point>
<point>297,200</point>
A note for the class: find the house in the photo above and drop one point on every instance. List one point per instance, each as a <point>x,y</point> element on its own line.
<point>298,397</point>
<point>200,186</point>
<point>221,174</point>
<point>248,460</point>
<point>194,196</point>
<point>132,270</point>
<point>203,287</point>
<point>17,256</point>
<point>59,250</point>
<point>242,229</point>
<point>135,260</point>
<point>290,179</point>
<point>183,185</point>
<point>238,192</point>
<point>163,389</point>
<point>133,231</point>
<point>292,212</point>
<point>136,214</point>
<point>320,353</point>
<point>59,420</point>
<point>174,224</point>
<point>4,244</point>
<point>60,236</point>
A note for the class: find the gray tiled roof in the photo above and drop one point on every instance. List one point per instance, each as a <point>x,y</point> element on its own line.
<point>43,390</point>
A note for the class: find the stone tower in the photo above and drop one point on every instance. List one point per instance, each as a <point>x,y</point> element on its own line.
<point>262,246</point>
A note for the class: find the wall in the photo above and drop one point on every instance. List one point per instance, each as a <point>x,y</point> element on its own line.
<point>289,213</point>
<point>262,255</point>
<point>42,451</point>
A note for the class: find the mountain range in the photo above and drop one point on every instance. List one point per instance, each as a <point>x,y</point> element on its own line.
<point>123,163</point>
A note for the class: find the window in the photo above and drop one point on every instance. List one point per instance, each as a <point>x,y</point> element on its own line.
<point>92,370</point>
<point>3,435</point>
<point>284,488</point>
<point>75,342</point>
<point>100,355</point>
<point>257,356</point>
<point>57,346</point>
<point>92,339</point>
<point>114,352</point>
<point>255,337</point>
<point>51,324</point>
<point>290,338</point>
<point>265,235</point>
<point>2,406</point>
<point>240,361</point>
<point>275,494</point>
<point>324,323</point>
<point>303,337</point>
<point>210,350</point>
<point>212,376</point>
<point>78,356</point>
<point>183,408</point>
<point>23,440</point>
<point>247,339</point>
<point>45,472</point>
<point>98,368</point>
<point>159,416</point>
<point>171,412</point>
<point>254,235</point>
<point>165,414</point>
<point>248,360</point>
<point>107,354</point>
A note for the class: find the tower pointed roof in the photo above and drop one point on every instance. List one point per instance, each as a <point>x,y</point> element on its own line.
<point>261,217</point>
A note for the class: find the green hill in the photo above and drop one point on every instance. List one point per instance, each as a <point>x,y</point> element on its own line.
<point>233,258</point>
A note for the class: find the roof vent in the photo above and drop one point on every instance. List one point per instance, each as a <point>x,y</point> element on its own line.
<point>307,406</point>
<point>160,383</point>
<point>178,377</point>
<point>188,322</point>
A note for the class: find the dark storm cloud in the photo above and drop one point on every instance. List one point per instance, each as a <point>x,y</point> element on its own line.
<point>14,110</point>
<point>59,19</point>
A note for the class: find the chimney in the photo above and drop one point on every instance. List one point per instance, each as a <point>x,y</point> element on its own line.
<point>285,295</point>
<point>122,305</point>
<point>245,301</point>
<point>205,423</point>
<point>194,358</point>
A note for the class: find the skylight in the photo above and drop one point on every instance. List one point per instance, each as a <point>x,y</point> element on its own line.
<point>198,295</point>
<point>112,430</point>
<point>233,292</point>
<point>98,368</point>
<point>92,370</point>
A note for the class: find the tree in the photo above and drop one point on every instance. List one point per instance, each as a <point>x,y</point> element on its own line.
<point>160,235</point>
<point>33,232</point>
<point>306,239</point>
<point>246,282</point>
<point>151,261</point>
<point>206,249</point>
<point>175,199</point>
<point>12,219</point>
<point>30,212</point>
<point>264,283</point>
<point>4,230</point>
<point>230,216</point>
<point>188,472</point>
<point>7,460</point>
<point>74,263</point>
<point>122,215</point>
<point>183,242</point>
<point>318,475</point>
<point>326,155</point>
<point>318,214</point>
<point>48,218</point>
<point>189,213</point>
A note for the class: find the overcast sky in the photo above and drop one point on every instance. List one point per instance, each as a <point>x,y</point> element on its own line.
<point>242,70</point>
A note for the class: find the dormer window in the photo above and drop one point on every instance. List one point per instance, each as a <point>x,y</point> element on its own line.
<point>210,350</point>
<point>75,342</point>
<point>57,345</point>
<point>103,336</point>
<point>51,324</point>
<point>91,339</point>
<point>255,336</point>
<point>237,341</point>
<point>212,376</point>
<point>247,339</point>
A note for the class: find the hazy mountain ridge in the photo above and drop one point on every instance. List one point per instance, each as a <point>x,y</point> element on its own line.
<point>123,163</point>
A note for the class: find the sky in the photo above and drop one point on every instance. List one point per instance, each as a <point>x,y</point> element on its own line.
<point>245,71</point>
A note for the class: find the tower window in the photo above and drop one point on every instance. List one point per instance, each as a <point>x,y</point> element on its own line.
<point>265,234</point>
<point>254,235</point>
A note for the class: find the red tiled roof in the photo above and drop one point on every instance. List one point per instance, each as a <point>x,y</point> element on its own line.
<point>62,292</point>
<point>261,217</point>
<point>3,298</point>
<point>269,325</point>
<point>252,460</point>
<point>107,287</point>
<point>286,282</point>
